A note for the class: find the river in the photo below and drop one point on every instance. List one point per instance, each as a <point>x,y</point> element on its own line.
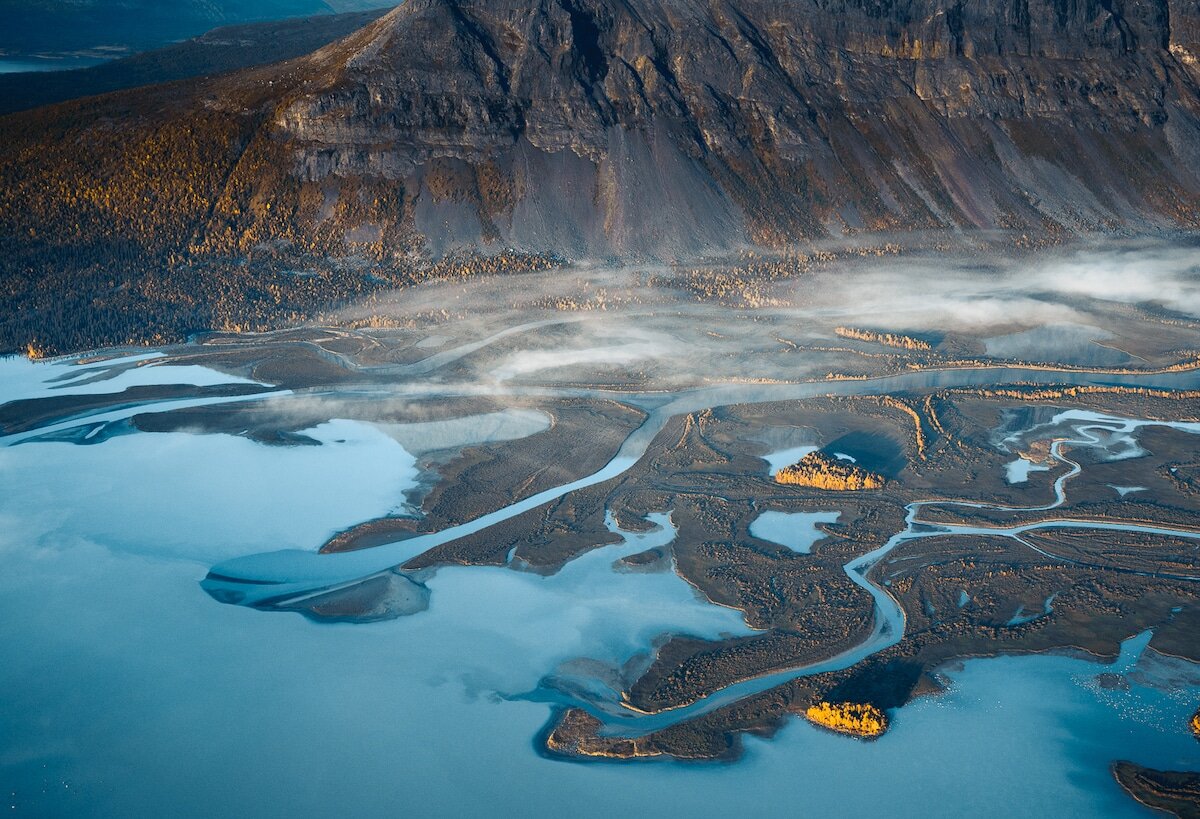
<point>127,691</point>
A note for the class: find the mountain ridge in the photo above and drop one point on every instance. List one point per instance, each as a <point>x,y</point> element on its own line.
<point>715,74</point>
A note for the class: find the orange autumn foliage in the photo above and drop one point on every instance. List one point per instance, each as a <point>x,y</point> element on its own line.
<point>858,719</point>
<point>820,471</point>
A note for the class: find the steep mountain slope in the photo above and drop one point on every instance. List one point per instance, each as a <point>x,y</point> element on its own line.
<point>223,49</point>
<point>662,128</point>
<point>668,126</point>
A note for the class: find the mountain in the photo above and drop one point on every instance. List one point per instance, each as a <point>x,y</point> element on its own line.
<point>218,51</point>
<point>627,128</point>
<point>661,126</point>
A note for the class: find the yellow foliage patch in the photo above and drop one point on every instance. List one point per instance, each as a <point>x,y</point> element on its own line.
<point>858,719</point>
<point>887,339</point>
<point>820,471</point>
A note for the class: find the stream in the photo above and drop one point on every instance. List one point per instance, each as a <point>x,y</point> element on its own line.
<point>280,577</point>
<point>128,692</point>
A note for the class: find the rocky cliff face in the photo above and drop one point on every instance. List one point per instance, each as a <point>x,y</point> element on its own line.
<point>672,128</point>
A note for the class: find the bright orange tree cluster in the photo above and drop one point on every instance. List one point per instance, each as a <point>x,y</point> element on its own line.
<point>821,471</point>
<point>859,719</point>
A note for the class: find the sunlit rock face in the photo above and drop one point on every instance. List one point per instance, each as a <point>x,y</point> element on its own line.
<point>651,129</point>
<point>759,121</point>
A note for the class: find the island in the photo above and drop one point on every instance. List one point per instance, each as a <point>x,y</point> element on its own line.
<point>855,718</point>
<point>821,471</point>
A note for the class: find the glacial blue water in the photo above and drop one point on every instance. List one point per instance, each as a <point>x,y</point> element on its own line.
<point>12,65</point>
<point>126,691</point>
<point>786,457</point>
<point>796,530</point>
<point>1018,471</point>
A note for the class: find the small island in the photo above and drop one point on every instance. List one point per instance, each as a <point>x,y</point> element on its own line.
<point>821,471</point>
<point>854,718</point>
<point>896,340</point>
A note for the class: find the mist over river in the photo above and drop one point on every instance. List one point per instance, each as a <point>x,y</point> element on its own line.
<point>135,683</point>
<point>128,691</point>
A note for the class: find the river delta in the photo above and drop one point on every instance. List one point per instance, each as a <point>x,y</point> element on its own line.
<point>467,533</point>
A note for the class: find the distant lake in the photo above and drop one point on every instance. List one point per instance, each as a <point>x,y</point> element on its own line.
<point>15,65</point>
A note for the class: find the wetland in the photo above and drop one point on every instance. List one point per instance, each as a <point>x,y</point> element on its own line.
<point>548,527</point>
